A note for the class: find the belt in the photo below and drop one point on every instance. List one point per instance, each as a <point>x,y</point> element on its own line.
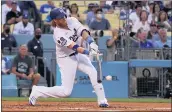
<point>73,54</point>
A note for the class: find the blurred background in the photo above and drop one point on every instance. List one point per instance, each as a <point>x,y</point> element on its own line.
<point>123,30</point>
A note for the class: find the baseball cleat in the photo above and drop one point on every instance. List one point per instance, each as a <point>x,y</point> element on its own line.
<point>104,105</point>
<point>32,99</point>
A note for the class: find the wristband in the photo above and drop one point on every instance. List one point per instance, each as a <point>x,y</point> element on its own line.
<point>89,40</point>
<point>75,47</point>
<point>86,52</point>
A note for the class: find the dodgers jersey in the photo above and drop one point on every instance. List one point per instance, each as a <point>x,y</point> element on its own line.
<point>64,37</point>
<point>20,29</point>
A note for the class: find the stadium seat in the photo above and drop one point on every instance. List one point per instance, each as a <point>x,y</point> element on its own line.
<point>102,42</point>
<point>39,3</point>
<point>24,84</point>
<point>22,39</point>
<point>10,56</point>
<point>9,86</point>
<point>28,83</point>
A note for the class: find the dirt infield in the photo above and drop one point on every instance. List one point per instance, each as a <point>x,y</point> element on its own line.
<point>83,106</point>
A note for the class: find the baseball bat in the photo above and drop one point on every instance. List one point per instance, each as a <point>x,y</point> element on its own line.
<point>99,69</point>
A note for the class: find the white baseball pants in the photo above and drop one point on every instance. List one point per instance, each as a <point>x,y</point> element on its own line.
<point>68,67</point>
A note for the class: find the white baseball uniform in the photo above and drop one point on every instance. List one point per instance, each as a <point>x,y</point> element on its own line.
<point>20,29</point>
<point>69,64</point>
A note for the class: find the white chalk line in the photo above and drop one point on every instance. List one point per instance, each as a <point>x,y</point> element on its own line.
<point>86,109</point>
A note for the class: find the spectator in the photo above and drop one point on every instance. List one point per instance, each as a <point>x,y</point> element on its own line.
<point>142,39</point>
<point>100,23</point>
<point>13,16</point>
<point>145,5</point>
<point>90,7</point>
<point>24,27</point>
<point>36,47</point>
<point>66,7</point>
<point>7,8</point>
<point>154,16</point>
<point>111,46</point>
<point>74,12</point>
<point>168,9</point>
<point>47,25</point>
<point>107,9</point>
<point>163,39</point>
<point>22,66</point>
<point>135,16</point>
<point>153,33</point>
<point>46,8</point>
<point>7,39</point>
<point>142,23</point>
<point>125,12</point>
<point>151,5</point>
<point>163,20</point>
<point>6,65</point>
<point>30,6</point>
<point>91,14</point>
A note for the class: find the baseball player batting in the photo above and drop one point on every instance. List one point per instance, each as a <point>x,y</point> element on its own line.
<point>68,36</point>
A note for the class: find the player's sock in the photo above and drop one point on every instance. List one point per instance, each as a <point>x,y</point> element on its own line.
<point>100,93</point>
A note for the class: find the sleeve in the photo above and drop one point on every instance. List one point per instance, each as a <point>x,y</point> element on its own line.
<point>91,25</point>
<point>29,45</point>
<point>88,18</point>
<point>79,27</point>
<point>31,29</point>
<point>62,40</point>
<point>41,9</point>
<point>8,17</point>
<point>151,44</point>
<point>155,44</point>
<point>108,25</point>
<point>150,18</point>
<point>131,16</point>
<point>8,64</point>
<point>18,9</point>
<point>32,5</point>
<point>20,14</point>
<point>135,27</point>
<point>167,25</point>
<point>14,63</point>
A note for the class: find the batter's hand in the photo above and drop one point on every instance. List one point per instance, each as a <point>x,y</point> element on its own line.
<point>94,48</point>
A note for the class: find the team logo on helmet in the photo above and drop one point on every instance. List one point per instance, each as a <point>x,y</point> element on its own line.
<point>61,10</point>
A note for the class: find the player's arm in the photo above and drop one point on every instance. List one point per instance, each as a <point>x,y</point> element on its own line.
<point>65,42</point>
<point>78,49</point>
<point>85,33</point>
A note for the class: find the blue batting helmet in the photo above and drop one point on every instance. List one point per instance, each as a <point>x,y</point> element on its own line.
<point>57,13</point>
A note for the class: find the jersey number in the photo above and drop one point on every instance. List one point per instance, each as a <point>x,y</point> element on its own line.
<point>74,37</point>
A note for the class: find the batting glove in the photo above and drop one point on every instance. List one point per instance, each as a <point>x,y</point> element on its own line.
<point>94,48</point>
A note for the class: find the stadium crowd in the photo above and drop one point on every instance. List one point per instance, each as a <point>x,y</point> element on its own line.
<point>147,21</point>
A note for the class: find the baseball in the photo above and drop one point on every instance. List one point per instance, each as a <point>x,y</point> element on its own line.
<point>109,77</point>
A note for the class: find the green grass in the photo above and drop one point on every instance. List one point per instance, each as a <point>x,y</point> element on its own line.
<point>148,100</point>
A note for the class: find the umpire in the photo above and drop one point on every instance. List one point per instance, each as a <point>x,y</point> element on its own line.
<point>36,47</point>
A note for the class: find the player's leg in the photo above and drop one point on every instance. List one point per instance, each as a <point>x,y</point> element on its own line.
<point>68,66</point>
<point>86,66</point>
